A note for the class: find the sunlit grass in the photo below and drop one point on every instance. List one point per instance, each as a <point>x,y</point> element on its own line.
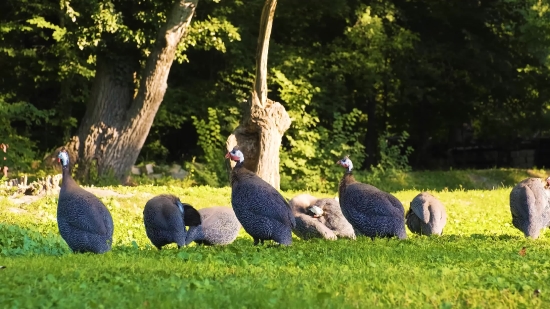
<point>476,263</point>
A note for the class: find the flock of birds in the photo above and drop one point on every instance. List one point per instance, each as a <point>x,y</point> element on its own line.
<point>360,209</point>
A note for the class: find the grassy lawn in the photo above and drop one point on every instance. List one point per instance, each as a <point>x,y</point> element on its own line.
<point>475,264</point>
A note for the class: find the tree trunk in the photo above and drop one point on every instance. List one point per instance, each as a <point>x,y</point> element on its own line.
<point>264,122</point>
<point>118,118</point>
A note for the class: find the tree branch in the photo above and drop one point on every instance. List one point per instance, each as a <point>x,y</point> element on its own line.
<point>155,74</point>
<point>259,92</point>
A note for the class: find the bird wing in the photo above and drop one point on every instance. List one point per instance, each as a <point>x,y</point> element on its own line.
<point>527,200</point>
<point>272,203</point>
<point>371,200</point>
<point>87,213</point>
<point>398,208</point>
<point>413,222</point>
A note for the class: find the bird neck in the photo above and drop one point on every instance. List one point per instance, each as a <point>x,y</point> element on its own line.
<point>67,177</point>
<point>346,180</point>
<point>239,171</point>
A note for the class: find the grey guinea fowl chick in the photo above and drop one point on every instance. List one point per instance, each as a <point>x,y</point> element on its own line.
<point>83,220</point>
<point>426,216</point>
<point>372,212</point>
<point>165,218</point>
<point>219,226</point>
<point>263,211</point>
<point>319,218</point>
<point>530,206</point>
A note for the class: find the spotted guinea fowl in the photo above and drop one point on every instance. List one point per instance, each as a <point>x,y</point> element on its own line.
<point>219,226</point>
<point>530,206</point>
<point>372,212</point>
<point>165,218</point>
<point>263,211</point>
<point>83,220</point>
<point>319,218</point>
<point>426,216</point>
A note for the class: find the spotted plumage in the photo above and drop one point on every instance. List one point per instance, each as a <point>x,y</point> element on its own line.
<point>319,218</point>
<point>262,210</point>
<point>219,226</point>
<point>530,206</point>
<point>426,216</point>
<point>166,217</point>
<point>83,220</point>
<point>370,211</point>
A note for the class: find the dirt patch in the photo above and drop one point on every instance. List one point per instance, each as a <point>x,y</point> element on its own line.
<point>27,199</point>
<point>106,193</point>
<point>24,199</point>
<point>17,210</point>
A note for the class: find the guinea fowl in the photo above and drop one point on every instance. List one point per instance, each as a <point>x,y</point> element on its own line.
<point>165,218</point>
<point>219,226</point>
<point>426,216</point>
<point>83,220</point>
<point>372,212</point>
<point>263,211</point>
<point>530,206</point>
<point>319,218</point>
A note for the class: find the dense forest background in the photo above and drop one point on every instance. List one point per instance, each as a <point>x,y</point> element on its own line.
<point>394,83</point>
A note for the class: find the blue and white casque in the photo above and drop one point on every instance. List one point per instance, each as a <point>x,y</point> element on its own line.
<point>238,153</point>
<point>346,161</point>
<point>63,158</point>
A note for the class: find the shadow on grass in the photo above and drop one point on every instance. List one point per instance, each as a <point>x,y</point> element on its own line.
<point>495,237</point>
<point>453,180</point>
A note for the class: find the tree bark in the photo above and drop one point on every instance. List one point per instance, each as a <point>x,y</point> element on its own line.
<point>264,122</point>
<point>119,116</point>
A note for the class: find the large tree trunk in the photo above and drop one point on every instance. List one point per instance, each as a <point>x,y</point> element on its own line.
<point>264,122</point>
<point>118,118</point>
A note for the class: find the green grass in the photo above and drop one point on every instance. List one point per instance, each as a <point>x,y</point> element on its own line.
<point>476,264</point>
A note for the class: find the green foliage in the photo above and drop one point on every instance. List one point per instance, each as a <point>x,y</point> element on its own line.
<point>106,179</point>
<point>536,31</point>
<point>17,241</point>
<point>394,158</point>
<point>21,150</point>
<point>309,163</point>
<point>211,33</point>
<point>212,143</point>
<point>478,255</point>
<point>425,67</point>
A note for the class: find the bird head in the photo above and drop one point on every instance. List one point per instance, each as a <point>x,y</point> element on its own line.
<point>63,158</point>
<point>180,206</point>
<point>191,216</point>
<point>235,155</point>
<point>315,211</point>
<point>345,163</point>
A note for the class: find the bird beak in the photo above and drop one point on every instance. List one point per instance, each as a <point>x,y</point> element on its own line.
<point>227,155</point>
